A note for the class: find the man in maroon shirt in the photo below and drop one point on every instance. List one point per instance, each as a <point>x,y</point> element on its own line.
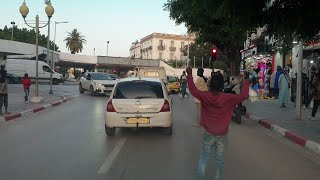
<point>216,113</point>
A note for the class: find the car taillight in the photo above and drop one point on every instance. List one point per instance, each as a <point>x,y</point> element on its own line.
<point>166,106</point>
<point>177,84</point>
<point>110,107</point>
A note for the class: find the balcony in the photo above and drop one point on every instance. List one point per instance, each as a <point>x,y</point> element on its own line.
<point>161,47</point>
<point>172,48</point>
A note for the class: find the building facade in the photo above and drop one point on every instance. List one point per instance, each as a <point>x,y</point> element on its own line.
<point>161,46</point>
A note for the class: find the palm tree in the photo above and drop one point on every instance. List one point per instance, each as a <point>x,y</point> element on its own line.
<point>74,41</point>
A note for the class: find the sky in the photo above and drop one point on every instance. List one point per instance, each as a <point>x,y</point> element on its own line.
<point>120,22</point>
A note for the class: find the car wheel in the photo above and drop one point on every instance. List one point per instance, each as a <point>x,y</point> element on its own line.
<point>237,117</point>
<point>55,81</point>
<point>167,130</point>
<point>92,91</point>
<point>110,131</point>
<point>10,81</point>
<point>81,90</point>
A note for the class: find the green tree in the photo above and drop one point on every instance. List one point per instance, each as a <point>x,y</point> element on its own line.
<point>74,41</point>
<point>218,22</point>
<point>24,35</point>
<point>226,23</point>
<point>176,63</point>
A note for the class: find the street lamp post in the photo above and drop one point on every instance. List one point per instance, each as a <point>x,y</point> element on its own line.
<point>54,50</point>
<point>188,56</point>
<point>107,48</point>
<point>12,23</point>
<point>24,10</point>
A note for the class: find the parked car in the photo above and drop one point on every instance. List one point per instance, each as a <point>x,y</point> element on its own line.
<point>173,84</point>
<point>139,102</point>
<point>96,83</point>
<point>13,79</point>
<point>19,67</point>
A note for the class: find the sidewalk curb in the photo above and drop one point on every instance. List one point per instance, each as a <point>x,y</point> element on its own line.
<point>33,111</point>
<point>308,144</point>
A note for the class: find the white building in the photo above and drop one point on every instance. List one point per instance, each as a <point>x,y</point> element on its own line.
<point>161,46</point>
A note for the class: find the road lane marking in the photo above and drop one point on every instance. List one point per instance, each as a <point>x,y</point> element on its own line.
<point>112,156</point>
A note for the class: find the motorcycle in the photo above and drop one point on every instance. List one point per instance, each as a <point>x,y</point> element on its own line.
<point>240,109</point>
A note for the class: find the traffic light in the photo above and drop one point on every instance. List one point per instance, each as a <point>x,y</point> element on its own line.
<point>213,54</point>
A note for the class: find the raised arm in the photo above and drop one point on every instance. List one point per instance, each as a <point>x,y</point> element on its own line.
<point>193,90</point>
<point>238,98</point>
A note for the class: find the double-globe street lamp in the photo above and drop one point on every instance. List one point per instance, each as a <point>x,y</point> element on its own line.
<point>54,50</point>
<point>24,10</point>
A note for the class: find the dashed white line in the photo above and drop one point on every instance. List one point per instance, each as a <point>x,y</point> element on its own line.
<point>112,156</point>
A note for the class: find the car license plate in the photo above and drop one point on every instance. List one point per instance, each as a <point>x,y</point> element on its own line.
<point>138,120</point>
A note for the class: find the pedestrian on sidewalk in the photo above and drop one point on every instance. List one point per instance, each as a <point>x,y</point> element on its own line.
<point>201,85</point>
<point>216,113</point>
<point>284,86</point>
<point>316,97</point>
<point>276,82</point>
<point>311,88</point>
<point>26,82</point>
<point>3,90</point>
<point>183,84</point>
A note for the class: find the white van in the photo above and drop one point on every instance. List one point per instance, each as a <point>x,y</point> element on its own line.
<point>153,72</point>
<point>21,66</point>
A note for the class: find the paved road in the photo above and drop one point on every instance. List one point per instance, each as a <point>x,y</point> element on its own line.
<point>69,142</point>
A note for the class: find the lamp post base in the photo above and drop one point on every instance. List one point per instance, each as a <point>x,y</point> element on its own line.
<point>50,92</point>
<point>36,100</point>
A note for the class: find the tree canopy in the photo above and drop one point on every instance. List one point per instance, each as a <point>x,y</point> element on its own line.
<point>227,23</point>
<point>25,35</point>
<point>74,41</point>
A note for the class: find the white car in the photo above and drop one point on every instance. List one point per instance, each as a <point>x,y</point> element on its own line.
<point>96,83</point>
<point>139,102</point>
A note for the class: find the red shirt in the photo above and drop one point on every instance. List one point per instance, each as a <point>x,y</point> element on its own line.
<point>217,108</point>
<point>26,82</point>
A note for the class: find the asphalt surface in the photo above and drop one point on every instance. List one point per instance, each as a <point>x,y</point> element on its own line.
<point>69,142</point>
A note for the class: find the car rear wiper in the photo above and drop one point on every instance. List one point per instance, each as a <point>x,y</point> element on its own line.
<point>143,97</point>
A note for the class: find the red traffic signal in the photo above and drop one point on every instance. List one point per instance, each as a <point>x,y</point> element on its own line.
<point>214,50</point>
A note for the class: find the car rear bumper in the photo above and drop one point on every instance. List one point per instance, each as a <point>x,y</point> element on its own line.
<point>162,119</point>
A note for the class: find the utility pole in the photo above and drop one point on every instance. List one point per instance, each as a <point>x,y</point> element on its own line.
<point>202,62</point>
<point>299,82</point>
<point>12,23</point>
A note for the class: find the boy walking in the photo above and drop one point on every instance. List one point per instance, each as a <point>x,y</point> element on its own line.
<point>26,82</point>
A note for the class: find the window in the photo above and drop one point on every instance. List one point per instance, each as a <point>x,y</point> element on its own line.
<point>182,44</point>
<point>171,56</point>
<point>100,76</point>
<point>181,57</point>
<point>46,69</point>
<point>172,43</point>
<point>160,55</point>
<point>138,90</point>
<point>161,42</point>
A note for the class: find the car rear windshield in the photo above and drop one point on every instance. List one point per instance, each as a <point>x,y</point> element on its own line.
<point>172,79</point>
<point>100,76</point>
<point>138,90</point>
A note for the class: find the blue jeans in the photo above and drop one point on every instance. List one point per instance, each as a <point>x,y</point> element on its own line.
<point>183,89</point>
<point>211,145</point>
